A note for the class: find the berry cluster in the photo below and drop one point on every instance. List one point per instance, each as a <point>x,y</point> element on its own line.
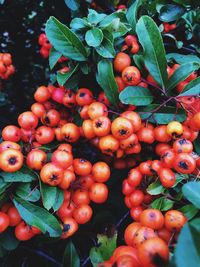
<point>6,66</point>
<point>45,45</point>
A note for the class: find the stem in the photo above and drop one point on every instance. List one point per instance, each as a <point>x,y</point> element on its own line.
<point>157,87</point>
<point>122,220</point>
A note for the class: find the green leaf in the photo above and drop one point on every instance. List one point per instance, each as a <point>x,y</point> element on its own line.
<point>162,204</point>
<point>197,144</point>
<point>38,217</point>
<point>163,115</point>
<point>181,59</point>
<point>79,24</point>
<point>154,52</point>
<point>109,19</point>
<point>95,17</point>
<point>70,257</point>
<point>105,249</point>
<point>136,95</point>
<point>73,4</point>
<point>54,57</point>
<point>155,188</point>
<point>171,12</point>
<point>189,211</point>
<point>62,78</point>
<point>107,81</point>
<point>195,224</point>
<point>117,28</point>
<point>94,37</point>
<point>106,49</point>
<point>191,191</point>
<point>52,197</point>
<point>192,88</point>
<point>8,239</point>
<point>24,175</point>
<point>64,40</point>
<point>181,74</point>
<point>139,61</point>
<point>3,185</point>
<point>132,13</point>
<point>28,193</point>
<point>189,239</point>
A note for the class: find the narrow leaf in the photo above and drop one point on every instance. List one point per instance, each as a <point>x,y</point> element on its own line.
<point>38,217</point>
<point>107,81</point>
<point>191,191</point>
<point>64,40</point>
<point>54,57</point>
<point>136,95</point>
<point>28,193</point>
<point>181,74</point>
<point>132,13</point>
<point>154,52</point>
<point>192,88</point>
<point>70,257</point>
<point>106,49</point>
<point>62,78</point>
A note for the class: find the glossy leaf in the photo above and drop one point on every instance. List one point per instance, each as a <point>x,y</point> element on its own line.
<point>23,175</point>
<point>191,191</point>
<point>192,88</point>
<point>38,217</point>
<point>3,185</point>
<point>70,257</point>
<point>155,188</point>
<point>52,197</point>
<point>163,115</point>
<point>132,13</point>
<point>154,52</point>
<point>136,95</point>
<point>182,59</point>
<point>188,238</point>
<point>54,57</point>
<point>79,24</point>
<point>106,49</point>
<point>171,12</point>
<point>181,74</point>
<point>105,249</point>
<point>94,37</point>
<point>94,17</point>
<point>27,192</point>
<point>64,40</point>
<point>107,81</point>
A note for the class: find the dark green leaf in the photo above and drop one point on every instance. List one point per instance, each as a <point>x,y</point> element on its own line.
<point>195,224</point>
<point>163,115</point>
<point>139,61</point>
<point>94,37</point>
<point>154,52</point>
<point>107,81</point>
<point>117,28</point>
<point>155,188</point>
<point>136,95</point>
<point>162,204</point>
<point>191,191</point>
<point>3,185</point>
<point>53,57</point>
<point>192,88</point>
<point>109,19</point>
<point>189,211</point>
<point>70,257</point>
<point>64,40</point>
<point>27,192</point>
<point>190,256</point>
<point>73,4</point>
<point>181,59</point>
<point>171,12</point>
<point>62,78</point>
<point>197,145</point>
<point>105,249</point>
<point>106,49</point>
<point>8,239</point>
<point>132,13</point>
<point>181,74</point>
<point>24,175</point>
<point>38,217</point>
<point>52,196</point>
